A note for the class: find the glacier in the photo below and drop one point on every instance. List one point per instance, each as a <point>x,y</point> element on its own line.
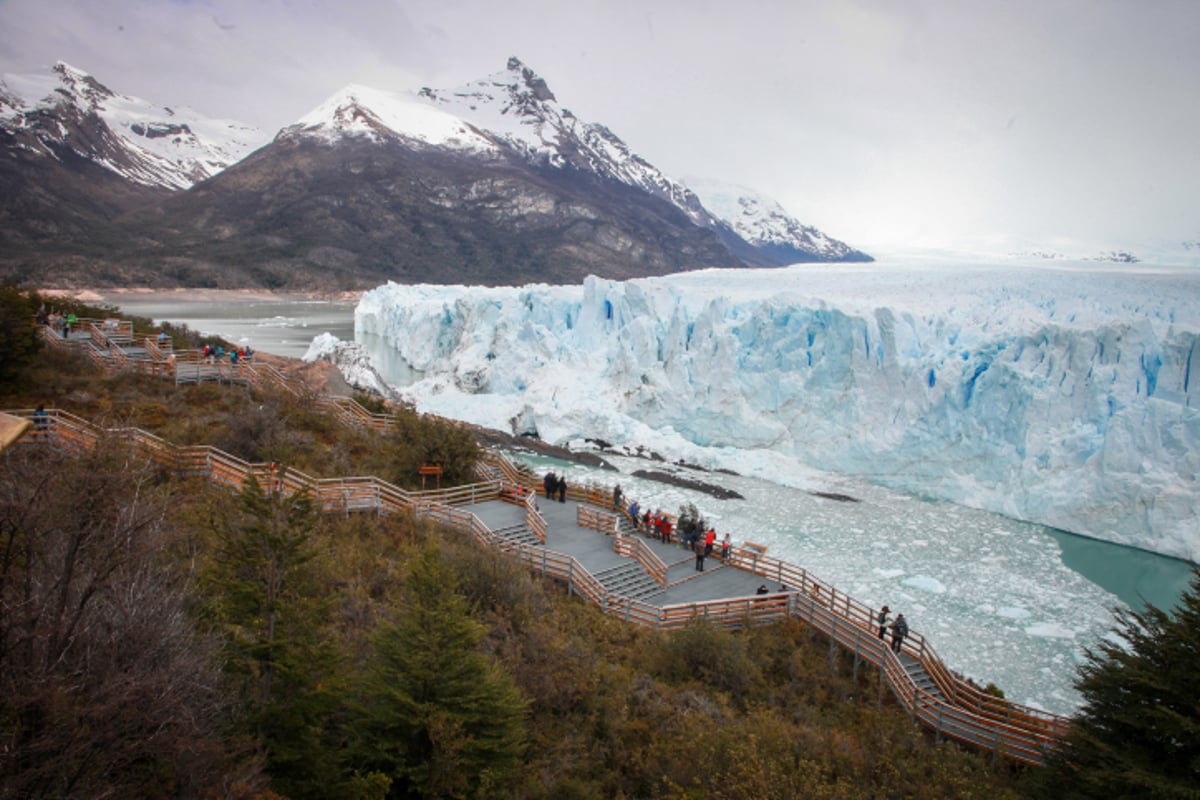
<point>1058,394</point>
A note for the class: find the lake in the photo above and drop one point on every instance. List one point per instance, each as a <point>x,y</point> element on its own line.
<point>279,324</point>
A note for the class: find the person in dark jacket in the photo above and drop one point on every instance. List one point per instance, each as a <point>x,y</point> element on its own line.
<point>882,619</point>
<point>899,631</point>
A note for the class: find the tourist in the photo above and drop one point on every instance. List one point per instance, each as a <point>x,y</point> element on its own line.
<point>698,549</point>
<point>617,497</point>
<point>41,422</point>
<point>562,489</point>
<point>726,546</point>
<point>710,539</point>
<point>882,619</point>
<point>550,484</point>
<point>899,631</point>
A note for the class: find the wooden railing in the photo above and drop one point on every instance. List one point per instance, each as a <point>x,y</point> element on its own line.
<point>587,516</point>
<point>633,547</point>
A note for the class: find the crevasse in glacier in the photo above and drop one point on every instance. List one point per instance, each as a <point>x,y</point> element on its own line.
<point>1059,396</point>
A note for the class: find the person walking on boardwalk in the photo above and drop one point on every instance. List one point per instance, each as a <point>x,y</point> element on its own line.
<point>549,483</point>
<point>562,489</point>
<point>41,421</point>
<point>698,549</point>
<point>617,497</point>
<point>882,619</point>
<point>899,631</point>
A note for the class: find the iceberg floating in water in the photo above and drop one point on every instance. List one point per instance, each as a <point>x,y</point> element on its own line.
<point>1055,395</point>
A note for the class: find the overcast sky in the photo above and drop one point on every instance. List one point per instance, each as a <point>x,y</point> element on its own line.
<point>979,125</point>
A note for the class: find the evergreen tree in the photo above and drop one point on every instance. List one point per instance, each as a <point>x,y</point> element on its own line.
<point>441,719</point>
<point>18,334</point>
<point>264,597</point>
<point>1138,734</point>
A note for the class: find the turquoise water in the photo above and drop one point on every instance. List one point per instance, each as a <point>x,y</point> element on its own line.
<point>283,325</point>
<point>1135,576</point>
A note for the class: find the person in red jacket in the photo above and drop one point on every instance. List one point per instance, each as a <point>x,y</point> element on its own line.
<point>710,539</point>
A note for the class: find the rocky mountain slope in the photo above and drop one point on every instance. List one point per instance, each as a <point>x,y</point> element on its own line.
<point>493,182</point>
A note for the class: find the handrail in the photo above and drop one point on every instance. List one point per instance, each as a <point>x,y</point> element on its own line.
<point>633,547</point>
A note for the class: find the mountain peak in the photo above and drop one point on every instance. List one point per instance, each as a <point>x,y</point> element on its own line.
<point>764,223</point>
<point>81,84</point>
<point>534,82</point>
<point>64,109</point>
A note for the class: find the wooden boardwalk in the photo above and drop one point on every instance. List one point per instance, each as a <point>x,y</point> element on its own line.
<point>584,545</point>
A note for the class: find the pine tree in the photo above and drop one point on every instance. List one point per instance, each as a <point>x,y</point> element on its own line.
<point>264,598</point>
<point>18,334</point>
<point>1138,734</point>
<point>441,719</point>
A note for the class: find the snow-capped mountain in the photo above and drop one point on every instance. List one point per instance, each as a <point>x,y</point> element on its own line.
<point>493,182</point>
<point>66,111</point>
<point>379,116</point>
<point>515,111</point>
<point>518,107</point>
<point>764,223</point>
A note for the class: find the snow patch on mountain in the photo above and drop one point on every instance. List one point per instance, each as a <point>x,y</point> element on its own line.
<point>518,107</point>
<point>762,221</point>
<point>362,112</point>
<point>174,147</point>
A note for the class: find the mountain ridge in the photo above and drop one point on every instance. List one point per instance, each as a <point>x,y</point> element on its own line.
<point>492,182</point>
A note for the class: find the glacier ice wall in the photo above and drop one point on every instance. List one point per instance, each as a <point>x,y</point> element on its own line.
<point>1060,396</point>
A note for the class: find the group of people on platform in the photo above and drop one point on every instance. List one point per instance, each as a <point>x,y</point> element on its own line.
<point>899,628</point>
<point>555,486</point>
<point>216,354</point>
<point>700,538</point>
<point>64,323</point>
<point>692,532</point>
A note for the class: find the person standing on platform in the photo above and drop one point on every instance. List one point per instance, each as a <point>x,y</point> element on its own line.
<point>882,619</point>
<point>562,489</point>
<point>899,631</point>
<point>698,549</point>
